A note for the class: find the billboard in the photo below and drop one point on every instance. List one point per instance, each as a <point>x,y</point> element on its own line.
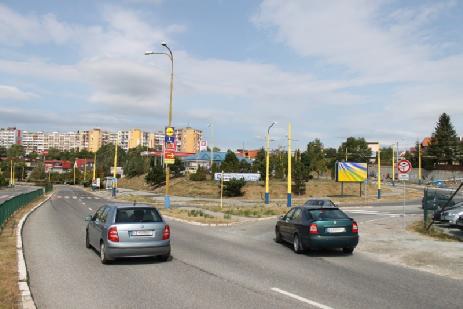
<point>245,176</point>
<point>351,172</point>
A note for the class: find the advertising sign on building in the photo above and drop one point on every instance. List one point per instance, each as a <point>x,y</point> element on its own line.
<point>202,145</point>
<point>245,176</point>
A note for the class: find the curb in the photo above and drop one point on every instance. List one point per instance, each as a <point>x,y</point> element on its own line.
<point>216,224</point>
<point>27,301</point>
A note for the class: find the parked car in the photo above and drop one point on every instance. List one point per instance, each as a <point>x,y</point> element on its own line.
<point>126,230</point>
<point>459,222</point>
<point>317,227</point>
<point>451,215</point>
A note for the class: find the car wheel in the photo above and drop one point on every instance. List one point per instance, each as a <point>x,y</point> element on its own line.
<point>87,242</point>
<point>297,246</point>
<point>103,258</point>
<point>348,250</point>
<point>277,235</point>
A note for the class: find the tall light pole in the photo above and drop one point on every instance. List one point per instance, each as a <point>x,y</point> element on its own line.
<point>212,144</point>
<point>379,171</point>
<point>419,163</point>
<point>393,165</point>
<point>290,181</point>
<point>267,165</point>
<point>171,57</point>
<point>114,182</point>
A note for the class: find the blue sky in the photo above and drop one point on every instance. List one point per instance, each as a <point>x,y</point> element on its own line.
<point>383,70</point>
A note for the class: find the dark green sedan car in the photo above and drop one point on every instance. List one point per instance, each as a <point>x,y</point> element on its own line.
<point>317,227</point>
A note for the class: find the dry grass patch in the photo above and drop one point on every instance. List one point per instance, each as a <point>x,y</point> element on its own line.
<point>9,292</point>
<point>433,232</point>
<point>251,212</point>
<point>195,216</point>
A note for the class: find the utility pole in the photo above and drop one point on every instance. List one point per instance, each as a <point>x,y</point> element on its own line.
<point>393,167</point>
<point>114,182</point>
<point>419,163</point>
<point>379,171</point>
<point>267,166</point>
<point>290,182</point>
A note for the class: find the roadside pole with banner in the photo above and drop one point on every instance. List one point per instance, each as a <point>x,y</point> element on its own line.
<point>404,167</point>
<point>169,158</point>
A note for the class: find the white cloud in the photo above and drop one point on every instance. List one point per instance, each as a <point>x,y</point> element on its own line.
<point>11,93</point>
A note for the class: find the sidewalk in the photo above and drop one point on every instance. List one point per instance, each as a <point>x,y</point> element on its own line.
<point>387,241</point>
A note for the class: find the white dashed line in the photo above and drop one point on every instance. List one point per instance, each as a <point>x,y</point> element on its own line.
<point>74,197</point>
<point>90,209</point>
<point>66,197</point>
<point>301,299</point>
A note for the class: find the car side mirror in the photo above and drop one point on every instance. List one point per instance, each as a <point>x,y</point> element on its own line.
<point>88,218</point>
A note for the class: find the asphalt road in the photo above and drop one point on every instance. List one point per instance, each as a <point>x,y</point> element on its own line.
<point>215,267</point>
<point>8,193</point>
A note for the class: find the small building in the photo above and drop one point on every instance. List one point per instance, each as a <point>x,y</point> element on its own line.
<point>203,159</point>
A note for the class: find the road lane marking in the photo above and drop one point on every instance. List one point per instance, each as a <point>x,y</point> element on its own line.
<point>74,197</point>
<point>301,299</point>
<point>66,197</point>
<point>90,209</point>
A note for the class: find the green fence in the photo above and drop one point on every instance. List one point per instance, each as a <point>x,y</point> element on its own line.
<point>8,207</point>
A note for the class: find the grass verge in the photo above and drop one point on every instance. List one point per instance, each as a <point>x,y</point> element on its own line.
<point>196,216</point>
<point>9,292</point>
<point>433,232</point>
<point>250,212</point>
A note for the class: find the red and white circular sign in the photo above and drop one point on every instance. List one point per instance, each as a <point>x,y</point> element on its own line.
<point>404,166</point>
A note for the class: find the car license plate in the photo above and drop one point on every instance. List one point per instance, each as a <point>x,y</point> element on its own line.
<point>336,229</point>
<point>143,233</point>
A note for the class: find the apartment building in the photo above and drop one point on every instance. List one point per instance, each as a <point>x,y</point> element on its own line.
<point>188,139</point>
<point>95,140</point>
<point>9,137</point>
<point>135,138</point>
<point>62,141</point>
<point>33,141</point>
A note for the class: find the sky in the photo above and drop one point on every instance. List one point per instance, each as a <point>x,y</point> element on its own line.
<point>379,69</point>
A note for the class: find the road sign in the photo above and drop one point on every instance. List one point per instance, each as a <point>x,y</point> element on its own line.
<point>169,157</point>
<point>404,177</point>
<point>404,166</point>
<point>169,139</point>
<point>169,131</point>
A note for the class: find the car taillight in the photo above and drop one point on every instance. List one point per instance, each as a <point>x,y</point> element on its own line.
<point>112,234</point>
<point>355,227</point>
<point>313,229</point>
<point>166,232</point>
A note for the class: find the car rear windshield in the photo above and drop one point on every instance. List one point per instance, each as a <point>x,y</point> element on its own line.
<point>133,215</point>
<point>327,214</point>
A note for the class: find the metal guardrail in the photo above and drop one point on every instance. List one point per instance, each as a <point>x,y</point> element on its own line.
<point>8,207</point>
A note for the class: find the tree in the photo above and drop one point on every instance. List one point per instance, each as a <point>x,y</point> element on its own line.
<point>444,146</point>
<point>233,187</point>
<point>38,173</point>
<point>298,175</point>
<point>231,163</point>
<point>177,168</point>
<point>16,151</point>
<point>258,165</point>
<point>156,174</point>
<point>386,155</point>
<point>3,152</point>
<point>200,174</point>
<point>356,149</point>
<point>135,164</point>
<point>315,155</point>
<point>105,158</point>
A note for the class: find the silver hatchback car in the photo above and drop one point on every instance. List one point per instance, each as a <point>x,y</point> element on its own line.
<point>125,230</point>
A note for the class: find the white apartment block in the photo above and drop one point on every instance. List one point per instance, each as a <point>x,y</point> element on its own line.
<point>33,141</point>
<point>62,141</point>
<point>9,137</point>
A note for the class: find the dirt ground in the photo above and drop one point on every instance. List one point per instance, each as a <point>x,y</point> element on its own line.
<point>278,190</point>
<point>389,242</point>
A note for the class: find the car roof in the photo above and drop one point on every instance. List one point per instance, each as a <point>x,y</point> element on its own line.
<point>127,205</point>
<point>315,207</point>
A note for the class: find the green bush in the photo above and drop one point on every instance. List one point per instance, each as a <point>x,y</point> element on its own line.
<point>200,175</point>
<point>233,187</point>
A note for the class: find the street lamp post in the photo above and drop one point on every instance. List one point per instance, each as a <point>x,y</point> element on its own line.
<point>171,57</point>
<point>267,166</point>
<point>289,167</point>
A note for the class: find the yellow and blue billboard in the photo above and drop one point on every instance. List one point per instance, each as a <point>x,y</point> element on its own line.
<point>351,172</point>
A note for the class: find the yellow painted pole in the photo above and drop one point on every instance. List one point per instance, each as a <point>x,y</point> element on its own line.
<point>74,169</point>
<point>94,167</point>
<point>419,163</point>
<point>167,197</point>
<point>290,181</point>
<point>115,160</point>
<point>11,172</point>
<point>379,171</point>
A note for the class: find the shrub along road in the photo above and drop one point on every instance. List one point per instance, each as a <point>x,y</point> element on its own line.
<point>232,267</point>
